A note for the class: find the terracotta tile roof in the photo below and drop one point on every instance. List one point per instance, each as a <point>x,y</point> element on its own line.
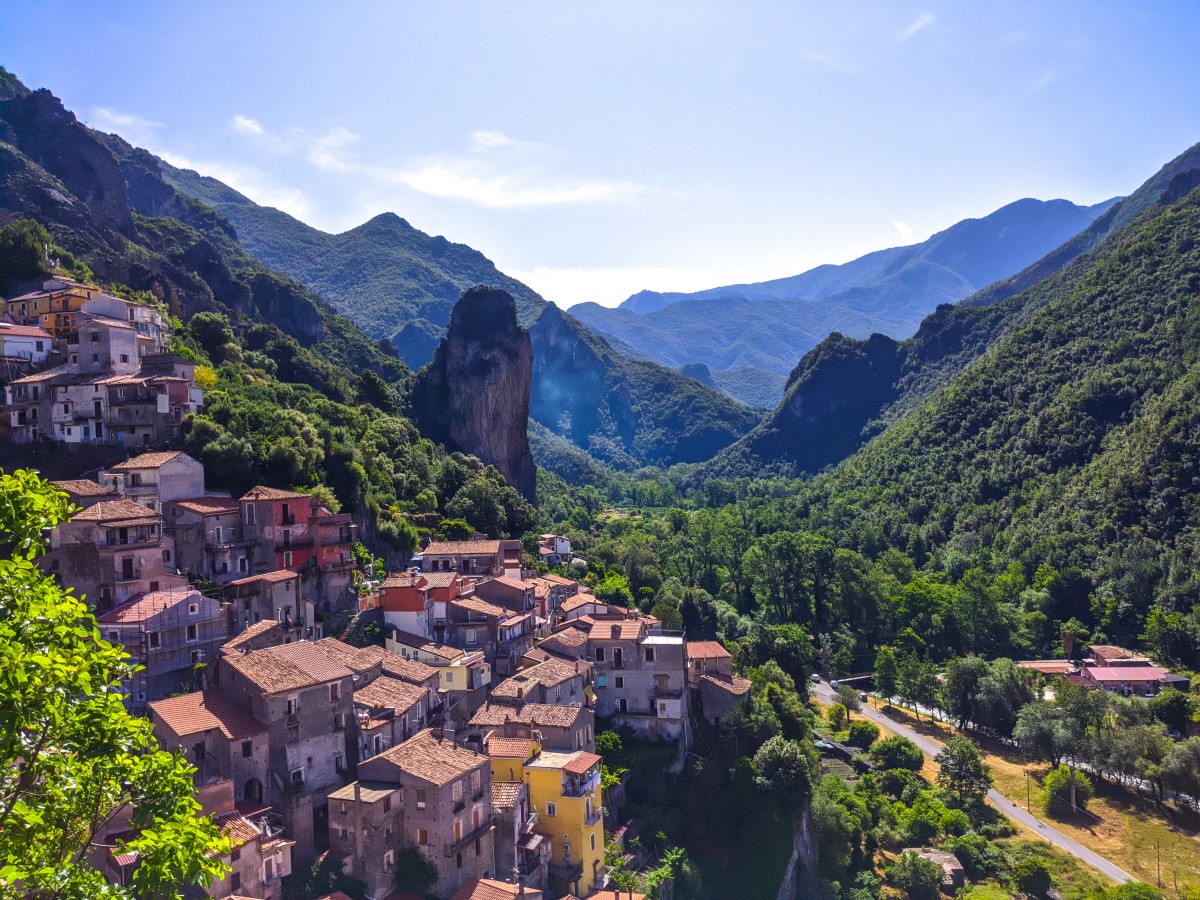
<point>514,583</point>
<point>436,760</point>
<point>487,889</point>
<point>205,710</point>
<point>734,684</point>
<point>1122,674</point>
<point>568,637</point>
<point>492,714</point>
<point>707,650</point>
<point>386,692</point>
<point>276,577</point>
<point>576,601</point>
<point>462,548</point>
<point>582,762</point>
<point>113,510</point>
<point>208,505</point>
<point>537,655</point>
<point>146,606</point>
<point>287,667</point>
<point>7,330</point>
<point>257,630</point>
<point>407,669</point>
<point>440,579</point>
<point>1048,666</point>
<point>558,579</point>
<point>404,580</point>
<point>474,604</point>
<point>505,795</point>
<point>548,674</point>
<point>83,487</point>
<point>262,492</point>
<point>362,659</point>
<point>614,895</point>
<point>625,630</point>
<point>237,828</point>
<point>148,461</point>
<point>510,748</point>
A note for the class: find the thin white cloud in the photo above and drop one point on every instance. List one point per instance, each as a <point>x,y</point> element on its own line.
<point>1043,81</point>
<point>609,286</point>
<point>328,151</point>
<point>904,230</point>
<point>134,128</point>
<point>924,20</point>
<point>246,125</point>
<point>490,140</point>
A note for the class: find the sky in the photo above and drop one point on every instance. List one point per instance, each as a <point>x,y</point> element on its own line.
<point>594,150</point>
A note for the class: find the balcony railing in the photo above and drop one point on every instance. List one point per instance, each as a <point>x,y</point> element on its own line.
<point>471,836</point>
<point>594,816</point>
<point>133,575</point>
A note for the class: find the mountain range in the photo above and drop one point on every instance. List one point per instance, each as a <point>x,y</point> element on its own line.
<point>742,332</point>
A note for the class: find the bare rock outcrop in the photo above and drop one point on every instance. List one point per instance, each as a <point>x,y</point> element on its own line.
<point>474,395</point>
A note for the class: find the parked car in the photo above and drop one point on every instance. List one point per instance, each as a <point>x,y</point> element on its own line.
<point>816,679</point>
<point>833,683</point>
<point>863,696</point>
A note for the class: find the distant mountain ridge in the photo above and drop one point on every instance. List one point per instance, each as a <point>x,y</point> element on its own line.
<point>888,291</point>
<point>845,391</point>
<point>397,282</point>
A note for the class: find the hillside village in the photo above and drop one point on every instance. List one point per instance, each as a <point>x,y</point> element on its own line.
<point>467,736</point>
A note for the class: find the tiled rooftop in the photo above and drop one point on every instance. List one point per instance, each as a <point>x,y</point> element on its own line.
<point>491,714</point>
<point>706,650</point>
<point>258,629</point>
<point>147,461</point>
<point>434,759</point>
<point>146,606</point>
<point>510,748</point>
<point>113,510</point>
<point>288,667</point>
<point>505,795</point>
<point>386,692</point>
<point>462,548</point>
<point>262,492</point>
<point>205,710</point>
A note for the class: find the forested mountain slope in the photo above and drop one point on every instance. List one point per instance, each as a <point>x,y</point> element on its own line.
<point>769,324</point>
<point>1072,441</point>
<point>394,281</point>
<point>844,390</point>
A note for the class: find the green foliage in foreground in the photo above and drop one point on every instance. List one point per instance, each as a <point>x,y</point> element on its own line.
<point>71,756</point>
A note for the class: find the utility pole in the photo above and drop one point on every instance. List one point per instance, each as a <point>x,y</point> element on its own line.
<point>1158,856</point>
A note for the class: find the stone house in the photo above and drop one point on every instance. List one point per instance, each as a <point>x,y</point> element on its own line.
<point>306,700</point>
<point>444,811</point>
<point>561,728</point>
<point>641,679</point>
<point>474,558</point>
<point>521,853</point>
<point>554,681</point>
<point>713,686</point>
<point>153,479</point>
<point>84,493</point>
<point>502,635</point>
<point>291,530</point>
<point>112,551</point>
<point>554,549</point>
<point>271,595</point>
<point>169,634</point>
<point>24,344</point>
<point>511,593</point>
<point>208,537</point>
<point>217,736</point>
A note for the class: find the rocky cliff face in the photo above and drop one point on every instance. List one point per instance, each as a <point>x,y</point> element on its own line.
<point>474,396</point>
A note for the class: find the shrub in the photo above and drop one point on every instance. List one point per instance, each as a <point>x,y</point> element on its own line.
<point>1058,790</point>
<point>1134,891</point>
<point>863,734</point>
<point>837,715</point>
<point>917,876</point>
<point>1031,876</point>
<point>979,856</point>
<point>898,753</point>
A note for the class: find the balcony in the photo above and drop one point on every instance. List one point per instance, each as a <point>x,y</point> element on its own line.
<point>471,836</point>
<point>527,867</point>
<point>477,796</point>
<point>460,806</point>
<point>293,717</point>
<point>132,575</point>
<point>594,816</point>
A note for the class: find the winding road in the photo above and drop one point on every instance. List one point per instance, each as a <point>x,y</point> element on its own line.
<point>931,748</point>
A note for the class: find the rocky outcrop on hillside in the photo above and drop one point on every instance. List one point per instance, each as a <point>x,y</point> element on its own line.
<point>474,396</point>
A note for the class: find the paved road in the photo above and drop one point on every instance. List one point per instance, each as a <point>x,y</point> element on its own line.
<point>931,748</point>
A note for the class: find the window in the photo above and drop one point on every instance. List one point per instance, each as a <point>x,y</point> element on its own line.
<point>94,337</point>
<point>152,639</point>
<point>420,798</point>
<point>474,782</point>
<point>287,537</point>
<point>193,632</point>
<point>599,654</point>
<point>309,762</point>
<point>449,677</point>
<point>247,749</point>
<point>389,859</point>
<point>471,635</point>
<point>593,840</point>
<point>649,654</point>
<point>477,848</point>
<point>220,534</point>
<point>387,803</point>
<point>236,854</point>
<point>422,837</point>
<point>124,357</point>
<point>114,637</point>
<point>235,880</point>
<point>335,692</point>
<point>95,356</point>
<point>552,809</point>
<point>379,749</point>
<point>293,706</point>
<point>458,859</point>
<point>618,682</point>
<point>297,776</point>
<point>287,559</point>
<point>197,657</point>
<point>293,732</point>
<point>456,791</point>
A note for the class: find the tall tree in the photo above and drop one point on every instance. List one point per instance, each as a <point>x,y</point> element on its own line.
<point>72,759</point>
<point>963,771</point>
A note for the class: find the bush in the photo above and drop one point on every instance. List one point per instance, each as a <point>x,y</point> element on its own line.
<point>1134,891</point>
<point>1031,876</point>
<point>918,877</point>
<point>979,856</point>
<point>863,734</point>
<point>837,716</point>
<point>1058,790</point>
<point>898,753</point>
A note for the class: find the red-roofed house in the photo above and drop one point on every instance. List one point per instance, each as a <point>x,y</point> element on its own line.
<point>153,479</point>
<point>511,593</point>
<point>272,596</point>
<point>1141,680</point>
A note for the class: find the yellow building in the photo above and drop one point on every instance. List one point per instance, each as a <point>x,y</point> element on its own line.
<point>564,792</point>
<point>55,308</point>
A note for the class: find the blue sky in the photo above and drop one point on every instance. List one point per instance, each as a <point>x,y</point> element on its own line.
<point>596,149</point>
